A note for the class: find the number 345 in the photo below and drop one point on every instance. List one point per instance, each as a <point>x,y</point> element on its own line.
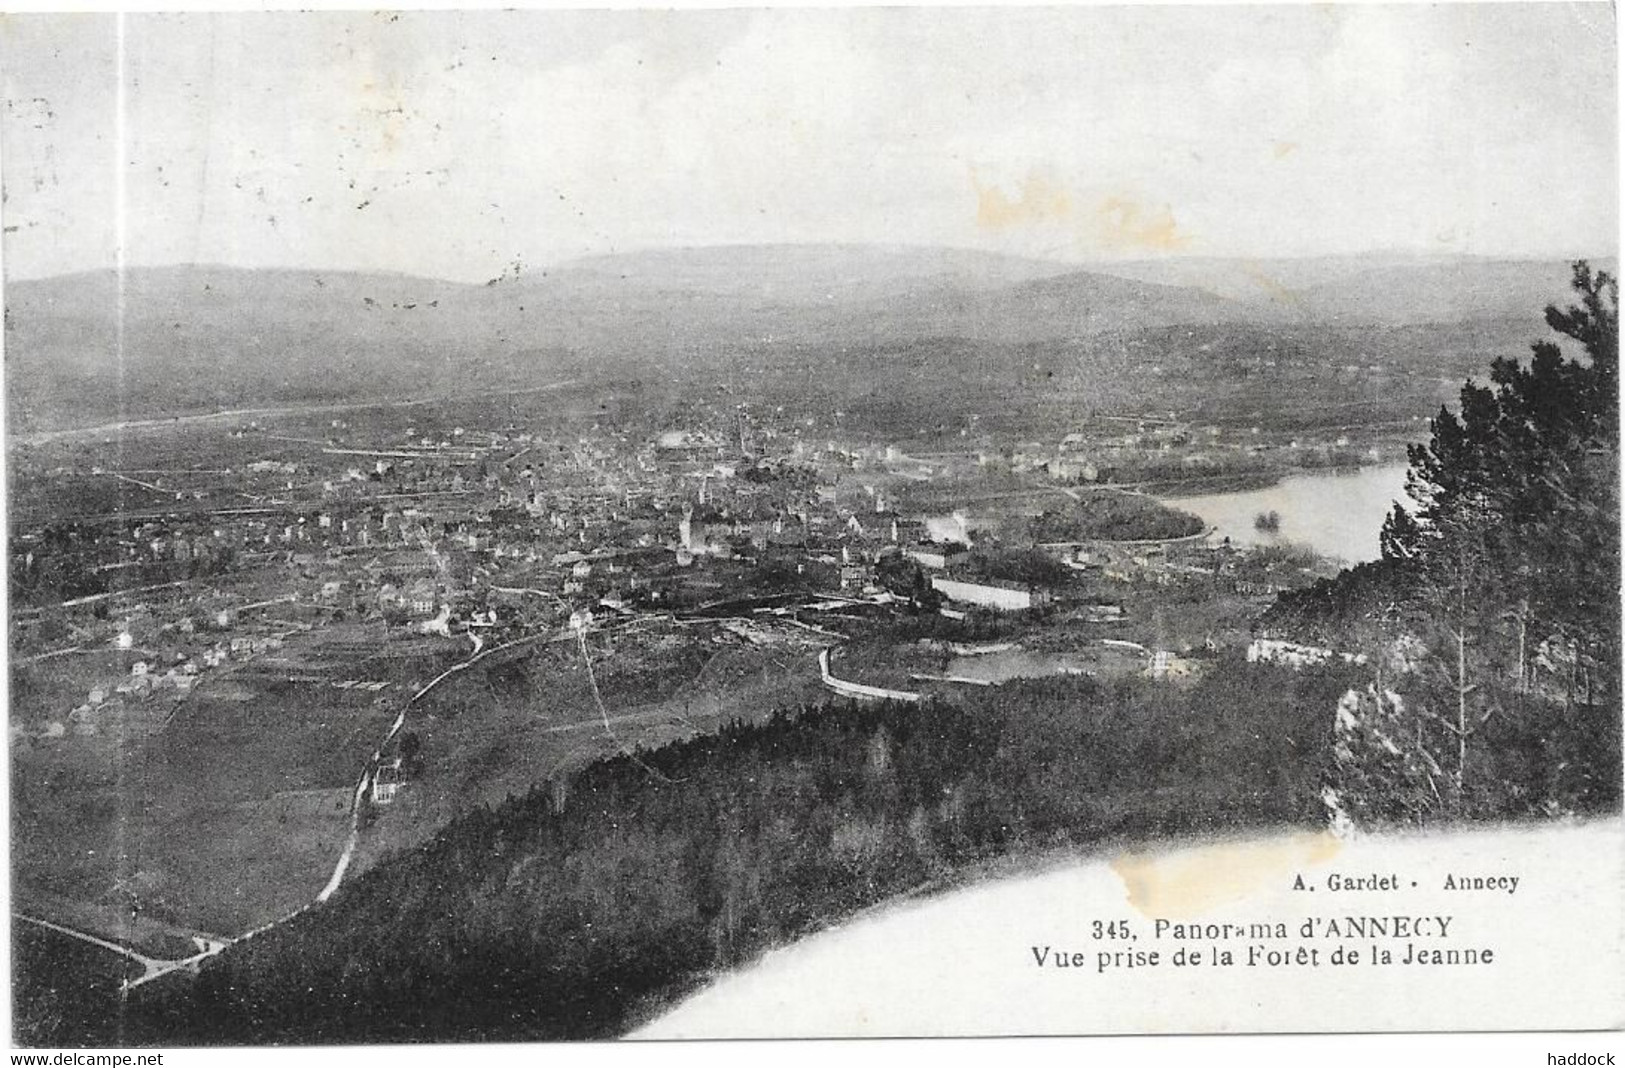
<point>1111,929</point>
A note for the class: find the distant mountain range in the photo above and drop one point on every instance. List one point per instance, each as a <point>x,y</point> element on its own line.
<point>201,338</point>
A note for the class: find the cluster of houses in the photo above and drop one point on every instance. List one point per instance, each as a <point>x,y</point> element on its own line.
<point>112,703</point>
<point>442,534</point>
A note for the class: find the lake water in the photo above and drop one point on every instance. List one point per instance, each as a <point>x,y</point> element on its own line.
<point>1337,514</point>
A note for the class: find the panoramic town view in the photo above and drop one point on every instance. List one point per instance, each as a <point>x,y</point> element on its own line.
<point>513,515</point>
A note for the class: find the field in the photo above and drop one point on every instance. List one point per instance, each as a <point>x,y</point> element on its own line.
<point>233,809</point>
<point>498,733</point>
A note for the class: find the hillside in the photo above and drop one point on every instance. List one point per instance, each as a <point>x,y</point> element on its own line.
<point>806,274</point>
<point>1394,290</point>
<point>569,912</point>
<point>198,339</point>
<point>1438,292</point>
<point>212,338</point>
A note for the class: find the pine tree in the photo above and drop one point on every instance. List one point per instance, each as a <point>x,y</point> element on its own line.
<point>1514,543</point>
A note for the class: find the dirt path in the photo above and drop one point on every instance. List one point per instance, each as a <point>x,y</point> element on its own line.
<point>152,967</point>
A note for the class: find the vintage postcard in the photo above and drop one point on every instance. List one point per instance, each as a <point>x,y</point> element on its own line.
<point>537,525</point>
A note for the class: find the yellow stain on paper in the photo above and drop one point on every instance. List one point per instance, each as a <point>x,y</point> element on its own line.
<point>1127,225</point>
<point>1119,224</point>
<point>1190,882</point>
<point>1040,200</point>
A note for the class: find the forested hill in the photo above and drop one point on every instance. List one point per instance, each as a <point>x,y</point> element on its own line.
<point>527,922</point>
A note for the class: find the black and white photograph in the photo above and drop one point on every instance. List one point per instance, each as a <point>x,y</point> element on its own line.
<point>540,525</point>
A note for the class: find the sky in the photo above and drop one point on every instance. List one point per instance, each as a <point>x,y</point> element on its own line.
<point>469,144</point>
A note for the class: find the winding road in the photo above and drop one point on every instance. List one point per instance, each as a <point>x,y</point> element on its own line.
<point>156,968</point>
